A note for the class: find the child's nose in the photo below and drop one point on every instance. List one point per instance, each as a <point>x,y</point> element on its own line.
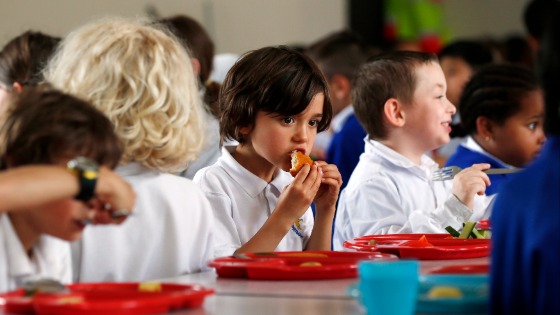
<point>301,134</point>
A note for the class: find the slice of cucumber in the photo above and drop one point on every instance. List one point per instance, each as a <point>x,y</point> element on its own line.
<point>452,231</point>
<point>467,229</point>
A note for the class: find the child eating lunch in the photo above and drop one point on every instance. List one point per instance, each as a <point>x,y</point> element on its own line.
<point>273,102</point>
<point>46,127</point>
<point>400,100</point>
<point>502,113</point>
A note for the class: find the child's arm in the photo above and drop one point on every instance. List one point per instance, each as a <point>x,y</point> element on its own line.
<point>470,182</point>
<point>292,204</point>
<point>31,186</point>
<point>325,207</point>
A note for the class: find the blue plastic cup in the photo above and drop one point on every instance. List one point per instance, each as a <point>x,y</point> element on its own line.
<point>389,287</point>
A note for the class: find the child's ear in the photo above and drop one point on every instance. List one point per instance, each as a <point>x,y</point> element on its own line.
<point>484,127</point>
<point>245,130</point>
<point>196,66</point>
<point>17,87</point>
<point>393,112</point>
<point>340,87</point>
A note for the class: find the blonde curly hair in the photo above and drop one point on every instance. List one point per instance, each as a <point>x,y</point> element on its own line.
<point>141,77</point>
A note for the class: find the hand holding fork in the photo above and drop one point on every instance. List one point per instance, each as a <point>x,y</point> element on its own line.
<point>467,182</point>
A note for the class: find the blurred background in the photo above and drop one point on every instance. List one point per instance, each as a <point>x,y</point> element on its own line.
<point>241,25</point>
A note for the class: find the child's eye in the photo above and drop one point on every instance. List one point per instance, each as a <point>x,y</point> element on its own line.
<point>288,120</point>
<point>314,123</point>
<point>533,125</point>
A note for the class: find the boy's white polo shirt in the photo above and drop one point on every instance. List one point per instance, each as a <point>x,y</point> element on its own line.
<point>51,259</point>
<point>242,202</point>
<point>388,194</point>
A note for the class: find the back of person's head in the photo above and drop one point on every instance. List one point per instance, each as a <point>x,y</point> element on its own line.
<point>390,75</point>
<point>339,53</point>
<point>517,50</point>
<point>548,69</point>
<point>195,39</point>
<point>142,79</point>
<point>276,80</point>
<point>537,14</point>
<point>46,126</point>
<point>474,53</point>
<point>494,92</point>
<point>23,58</point>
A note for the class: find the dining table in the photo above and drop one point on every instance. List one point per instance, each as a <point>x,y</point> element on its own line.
<point>238,296</point>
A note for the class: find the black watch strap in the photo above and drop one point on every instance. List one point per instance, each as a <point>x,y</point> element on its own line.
<point>87,171</point>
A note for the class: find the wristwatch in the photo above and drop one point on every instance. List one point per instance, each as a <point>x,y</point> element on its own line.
<point>87,171</point>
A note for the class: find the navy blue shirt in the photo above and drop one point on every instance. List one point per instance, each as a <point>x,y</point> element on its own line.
<point>465,157</point>
<point>525,269</point>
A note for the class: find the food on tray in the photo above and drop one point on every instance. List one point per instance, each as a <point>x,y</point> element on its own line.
<point>372,242</point>
<point>422,242</point>
<point>311,264</point>
<point>298,161</point>
<point>469,231</point>
<point>442,292</point>
<point>149,287</point>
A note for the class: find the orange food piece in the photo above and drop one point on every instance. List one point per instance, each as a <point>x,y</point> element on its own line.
<point>422,242</point>
<point>311,264</point>
<point>298,161</point>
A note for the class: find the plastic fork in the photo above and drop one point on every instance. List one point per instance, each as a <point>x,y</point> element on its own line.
<point>448,172</point>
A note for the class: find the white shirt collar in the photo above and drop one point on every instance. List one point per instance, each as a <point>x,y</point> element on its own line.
<point>249,182</point>
<point>339,120</point>
<point>425,169</point>
<point>19,263</point>
<point>474,146</point>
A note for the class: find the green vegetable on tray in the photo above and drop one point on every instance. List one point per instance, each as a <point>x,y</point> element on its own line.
<point>469,231</point>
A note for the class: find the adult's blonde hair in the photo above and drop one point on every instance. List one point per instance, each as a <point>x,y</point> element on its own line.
<point>140,76</point>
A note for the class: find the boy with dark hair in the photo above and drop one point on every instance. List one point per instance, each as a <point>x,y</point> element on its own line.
<point>44,126</point>
<point>273,102</point>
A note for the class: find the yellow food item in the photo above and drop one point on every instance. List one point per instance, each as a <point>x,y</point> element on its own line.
<point>372,242</point>
<point>310,264</point>
<point>439,292</point>
<point>149,287</point>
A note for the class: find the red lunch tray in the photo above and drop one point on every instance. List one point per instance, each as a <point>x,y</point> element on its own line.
<point>106,299</point>
<point>444,246</point>
<point>308,265</point>
<point>461,269</point>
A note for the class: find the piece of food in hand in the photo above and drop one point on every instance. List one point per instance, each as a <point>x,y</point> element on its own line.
<point>298,161</point>
<point>445,292</point>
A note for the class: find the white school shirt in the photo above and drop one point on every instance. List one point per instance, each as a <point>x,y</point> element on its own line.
<point>51,259</point>
<point>242,202</point>
<point>168,234</point>
<point>388,194</point>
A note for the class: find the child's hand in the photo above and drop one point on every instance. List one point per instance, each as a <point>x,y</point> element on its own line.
<point>469,182</point>
<point>297,197</point>
<point>113,194</point>
<point>330,185</point>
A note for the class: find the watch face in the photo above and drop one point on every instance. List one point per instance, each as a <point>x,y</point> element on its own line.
<point>83,163</point>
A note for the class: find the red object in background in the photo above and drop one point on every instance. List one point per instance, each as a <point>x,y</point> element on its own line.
<point>430,43</point>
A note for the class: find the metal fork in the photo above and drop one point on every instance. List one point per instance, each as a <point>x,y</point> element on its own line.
<point>449,172</point>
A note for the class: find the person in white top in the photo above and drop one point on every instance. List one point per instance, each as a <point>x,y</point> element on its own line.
<point>140,76</point>
<point>274,101</point>
<point>44,206</point>
<point>400,100</point>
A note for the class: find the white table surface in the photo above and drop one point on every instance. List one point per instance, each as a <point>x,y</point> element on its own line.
<point>241,296</point>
